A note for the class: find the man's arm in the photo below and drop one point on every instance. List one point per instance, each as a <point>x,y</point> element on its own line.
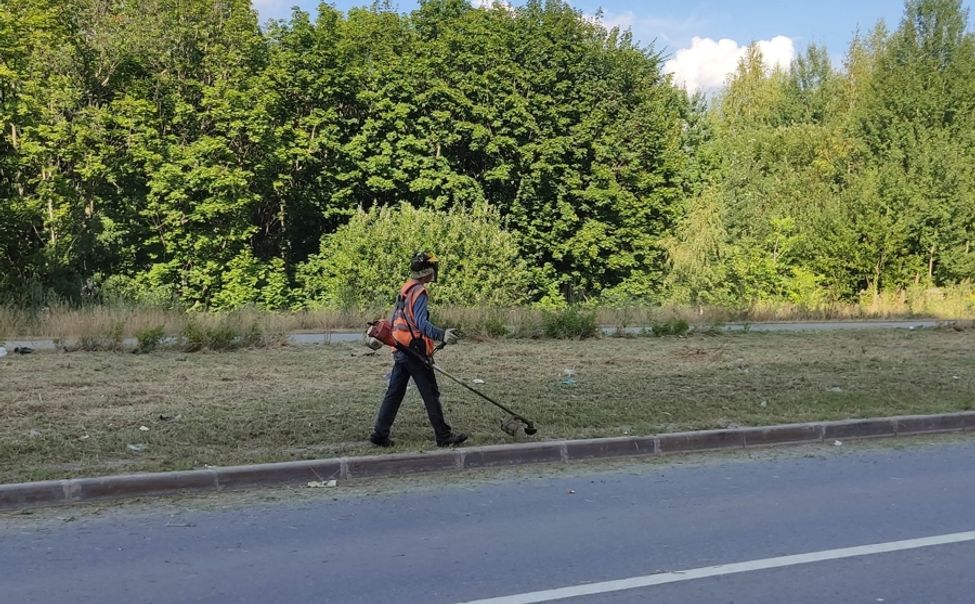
<point>422,315</point>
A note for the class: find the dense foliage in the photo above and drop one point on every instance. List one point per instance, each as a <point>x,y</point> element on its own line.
<point>823,184</point>
<point>178,153</point>
<point>360,265</point>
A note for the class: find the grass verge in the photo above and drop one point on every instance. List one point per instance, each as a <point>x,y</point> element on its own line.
<point>75,414</point>
<point>104,327</point>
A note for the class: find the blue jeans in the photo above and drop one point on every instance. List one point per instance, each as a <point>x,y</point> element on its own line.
<point>406,367</point>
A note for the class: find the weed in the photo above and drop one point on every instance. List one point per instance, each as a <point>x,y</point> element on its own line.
<point>711,329</point>
<point>150,338</point>
<point>494,327</point>
<point>222,337</point>
<point>623,316</point>
<point>252,337</point>
<point>671,327</point>
<point>117,335</point>
<point>110,341</point>
<point>194,336</point>
<point>571,323</point>
<point>488,324</point>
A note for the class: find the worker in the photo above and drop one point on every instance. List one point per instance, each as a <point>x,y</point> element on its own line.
<point>412,328</point>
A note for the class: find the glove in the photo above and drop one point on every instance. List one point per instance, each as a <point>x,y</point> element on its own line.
<point>450,337</point>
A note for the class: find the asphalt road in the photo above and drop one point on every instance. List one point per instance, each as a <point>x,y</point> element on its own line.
<point>477,537</point>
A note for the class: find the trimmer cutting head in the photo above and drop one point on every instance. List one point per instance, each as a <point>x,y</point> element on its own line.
<point>511,425</point>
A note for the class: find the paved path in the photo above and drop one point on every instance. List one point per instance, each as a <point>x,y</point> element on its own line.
<point>471,540</point>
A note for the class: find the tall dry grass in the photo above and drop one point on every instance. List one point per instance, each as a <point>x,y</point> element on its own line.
<point>65,323</point>
<point>110,323</point>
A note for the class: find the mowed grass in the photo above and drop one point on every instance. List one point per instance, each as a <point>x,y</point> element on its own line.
<point>75,414</point>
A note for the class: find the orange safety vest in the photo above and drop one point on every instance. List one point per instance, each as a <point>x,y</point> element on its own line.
<point>405,329</point>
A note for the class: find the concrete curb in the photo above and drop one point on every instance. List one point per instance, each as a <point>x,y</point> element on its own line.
<point>53,492</point>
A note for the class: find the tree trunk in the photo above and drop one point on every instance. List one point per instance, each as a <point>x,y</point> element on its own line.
<point>52,230</point>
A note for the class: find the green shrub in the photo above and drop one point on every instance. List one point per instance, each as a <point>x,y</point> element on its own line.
<point>528,325</point>
<point>365,261</point>
<point>194,336</point>
<point>671,327</point>
<point>494,327</point>
<point>117,335</point>
<point>484,324</point>
<point>571,323</point>
<point>227,334</point>
<point>251,282</point>
<point>252,337</point>
<point>142,290</point>
<point>150,338</point>
<point>222,337</point>
<point>624,316</point>
<point>110,341</point>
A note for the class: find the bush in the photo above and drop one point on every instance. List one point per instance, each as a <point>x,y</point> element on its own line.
<point>248,281</point>
<point>227,334</point>
<point>494,327</point>
<point>142,291</point>
<point>252,337</point>
<point>117,335</point>
<point>478,324</point>
<point>99,341</point>
<point>364,262</point>
<point>571,323</point>
<point>221,337</point>
<point>150,338</point>
<point>194,336</point>
<point>671,327</point>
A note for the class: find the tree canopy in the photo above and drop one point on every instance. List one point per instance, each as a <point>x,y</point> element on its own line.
<point>181,153</point>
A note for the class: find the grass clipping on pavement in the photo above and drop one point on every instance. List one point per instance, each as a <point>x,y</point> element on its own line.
<point>84,414</point>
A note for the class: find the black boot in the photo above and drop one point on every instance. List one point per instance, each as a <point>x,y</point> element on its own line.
<point>455,438</point>
<point>381,441</point>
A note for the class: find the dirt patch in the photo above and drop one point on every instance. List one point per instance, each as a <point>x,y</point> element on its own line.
<point>703,355</point>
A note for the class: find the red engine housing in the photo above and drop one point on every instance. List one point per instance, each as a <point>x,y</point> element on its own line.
<point>382,330</point>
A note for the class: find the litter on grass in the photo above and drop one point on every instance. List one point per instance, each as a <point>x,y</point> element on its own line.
<point>321,484</point>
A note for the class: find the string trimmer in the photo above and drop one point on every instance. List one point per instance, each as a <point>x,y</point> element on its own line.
<point>382,332</point>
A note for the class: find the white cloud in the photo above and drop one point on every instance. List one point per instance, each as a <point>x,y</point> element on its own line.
<point>778,52</point>
<point>624,21</point>
<point>489,4</point>
<point>662,31</point>
<point>706,64</point>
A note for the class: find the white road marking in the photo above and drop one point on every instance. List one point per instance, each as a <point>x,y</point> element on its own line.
<point>726,569</point>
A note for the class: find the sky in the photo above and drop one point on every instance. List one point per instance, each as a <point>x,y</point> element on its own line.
<point>702,40</point>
